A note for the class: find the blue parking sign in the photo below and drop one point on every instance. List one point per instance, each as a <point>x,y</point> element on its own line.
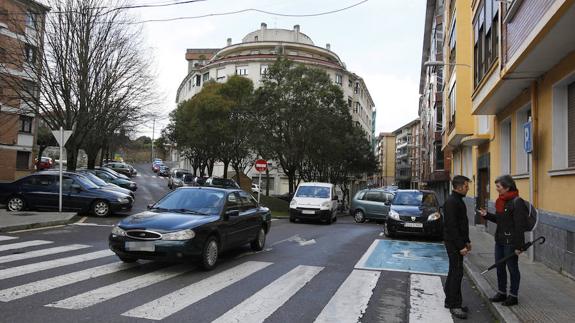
<point>527,139</point>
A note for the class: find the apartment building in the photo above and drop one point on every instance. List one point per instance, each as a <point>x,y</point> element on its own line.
<point>21,28</point>
<point>407,155</point>
<point>385,152</point>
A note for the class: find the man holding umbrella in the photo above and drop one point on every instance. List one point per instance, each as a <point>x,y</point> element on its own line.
<point>457,244</point>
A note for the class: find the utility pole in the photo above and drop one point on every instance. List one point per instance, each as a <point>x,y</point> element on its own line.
<point>153,133</point>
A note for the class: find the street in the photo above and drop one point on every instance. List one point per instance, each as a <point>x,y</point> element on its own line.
<point>308,272</point>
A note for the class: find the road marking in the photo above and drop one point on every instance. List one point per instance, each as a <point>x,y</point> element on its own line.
<point>36,287</point>
<point>106,293</point>
<point>174,302</point>
<point>426,300</point>
<point>50,264</point>
<point>39,229</point>
<point>4,238</point>
<point>296,238</point>
<point>20,245</point>
<point>265,302</point>
<point>82,220</point>
<point>351,299</point>
<point>39,253</point>
<point>92,225</point>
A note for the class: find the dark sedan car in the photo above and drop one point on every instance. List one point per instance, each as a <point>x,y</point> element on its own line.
<point>121,168</point>
<point>113,179</point>
<point>113,172</point>
<point>41,191</point>
<point>414,212</point>
<point>192,222</point>
<point>104,185</point>
<point>164,171</point>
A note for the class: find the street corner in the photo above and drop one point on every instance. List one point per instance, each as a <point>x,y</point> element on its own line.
<point>405,256</point>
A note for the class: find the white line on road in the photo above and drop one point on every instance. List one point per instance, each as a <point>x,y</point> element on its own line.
<point>165,306</point>
<point>40,253</point>
<point>427,298</point>
<point>296,238</point>
<point>50,264</point>
<point>4,238</point>
<point>351,299</point>
<point>109,292</point>
<point>361,263</point>
<point>24,244</point>
<point>92,225</point>
<point>264,303</point>
<point>36,287</point>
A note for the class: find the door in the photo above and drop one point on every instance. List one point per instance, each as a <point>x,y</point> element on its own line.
<point>41,191</point>
<point>234,225</point>
<point>250,213</point>
<point>73,199</point>
<point>482,186</point>
<point>375,205</point>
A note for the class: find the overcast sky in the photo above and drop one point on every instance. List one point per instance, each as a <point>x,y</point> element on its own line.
<point>380,40</point>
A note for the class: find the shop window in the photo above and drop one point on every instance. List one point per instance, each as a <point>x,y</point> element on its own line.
<point>22,160</point>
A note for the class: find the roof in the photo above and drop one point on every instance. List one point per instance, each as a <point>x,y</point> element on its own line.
<point>410,124</point>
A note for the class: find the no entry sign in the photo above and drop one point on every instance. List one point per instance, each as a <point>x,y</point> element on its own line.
<point>261,165</point>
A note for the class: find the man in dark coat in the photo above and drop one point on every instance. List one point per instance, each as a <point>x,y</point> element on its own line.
<point>457,244</point>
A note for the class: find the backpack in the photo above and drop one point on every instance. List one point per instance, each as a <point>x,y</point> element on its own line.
<point>531,220</point>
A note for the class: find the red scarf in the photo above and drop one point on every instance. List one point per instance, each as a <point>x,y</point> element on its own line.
<point>503,198</point>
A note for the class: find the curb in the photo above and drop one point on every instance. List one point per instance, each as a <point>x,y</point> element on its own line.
<point>19,227</point>
<point>502,313</point>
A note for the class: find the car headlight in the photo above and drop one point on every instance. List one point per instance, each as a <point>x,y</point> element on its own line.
<point>123,200</point>
<point>117,231</point>
<point>293,204</point>
<point>132,184</point>
<point>179,235</point>
<point>394,215</point>
<point>433,217</point>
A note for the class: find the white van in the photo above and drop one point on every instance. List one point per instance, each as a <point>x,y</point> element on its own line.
<point>314,201</point>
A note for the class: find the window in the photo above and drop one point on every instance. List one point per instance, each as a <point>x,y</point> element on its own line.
<point>467,162</point>
<point>452,106</point>
<point>350,82</point>
<point>233,202</point>
<point>356,89</point>
<point>357,108</point>
<point>26,124</point>
<point>22,160</point>
<point>206,77</point>
<point>264,69</point>
<point>30,19</point>
<point>30,53</point>
<point>522,160</point>
<point>31,90</point>
<point>571,125</point>
<point>338,79</point>
<point>505,137</point>
<point>439,158</point>
<point>241,70</point>
<point>563,129</point>
<point>349,102</point>
<point>220,73</point>
<point>486,38</point>
<point>375,197</point>
<point>198,80</point>
<point>247,201</point>
<point>452,41</point>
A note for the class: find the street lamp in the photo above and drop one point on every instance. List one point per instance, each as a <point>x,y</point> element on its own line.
<point>441,64</point>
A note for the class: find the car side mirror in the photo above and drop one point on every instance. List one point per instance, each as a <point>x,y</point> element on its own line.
<point>230,213</point>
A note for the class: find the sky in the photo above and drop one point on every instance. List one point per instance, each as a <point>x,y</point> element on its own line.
<point>380,40</point>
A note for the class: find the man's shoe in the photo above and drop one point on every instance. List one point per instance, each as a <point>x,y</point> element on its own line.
<point>510,301</point>
<point>498,298</point>
<point>459,313</point>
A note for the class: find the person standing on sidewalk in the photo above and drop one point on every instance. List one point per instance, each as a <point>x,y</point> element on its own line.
<point>511,217</point>
<point>457,244</point>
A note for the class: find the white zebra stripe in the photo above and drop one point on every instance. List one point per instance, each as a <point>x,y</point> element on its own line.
<point>174,302</point>
<point>351,299</point>
<point>36,287</point>
<point>264,303</point>
<point>427,298</point>
<point>26,244</point>
<point>49,264</point>
<point>4,238</point>
<point>43,252</point>
<point>109,292</point>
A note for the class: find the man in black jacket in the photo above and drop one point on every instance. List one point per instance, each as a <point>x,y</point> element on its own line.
<point>457,244</point>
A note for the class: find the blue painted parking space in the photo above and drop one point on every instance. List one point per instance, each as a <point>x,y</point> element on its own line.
<point>405,256</point>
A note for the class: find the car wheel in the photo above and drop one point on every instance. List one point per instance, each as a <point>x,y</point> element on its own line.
<point>388,233</point>
<point>128,260</point>
<point>210,253</point>
<point>358,216</point>
<point>101,208</point>
<point>15,204</point>
<point>292,219</point>
<point>259,243</point>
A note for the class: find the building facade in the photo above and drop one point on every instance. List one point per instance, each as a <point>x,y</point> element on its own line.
<point>21,27</point>
<point>407,155</point>
<point>251,57</point>
<point>385,152</point>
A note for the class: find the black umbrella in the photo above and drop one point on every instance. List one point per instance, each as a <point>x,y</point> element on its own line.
<point>525,247</point>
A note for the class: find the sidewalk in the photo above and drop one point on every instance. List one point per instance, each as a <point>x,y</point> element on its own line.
<point>544,294</point>
<point>12,221</point>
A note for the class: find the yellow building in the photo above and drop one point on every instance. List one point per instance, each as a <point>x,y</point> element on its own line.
<point>386,158</point>
<point>523,58</point>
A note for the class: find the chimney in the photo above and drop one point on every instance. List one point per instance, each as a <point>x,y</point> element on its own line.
<point>229,42</point>
<point>296,28</point>
<point>264,25</point>
<point>328,46</point>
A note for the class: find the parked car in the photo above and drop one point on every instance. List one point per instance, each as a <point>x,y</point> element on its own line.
<point>414,212</point>
<point>45,163</point>
<point>156,165</point>
<point>221,182</point>
<point>256,188</point>
<point>191,180</point>
<point>104,185</point>
<point>371,205</point>
<point>194,222</point>
<point>164,171</point>
<point>133,170</point>
<point>314,201</point>
<point>121,168</point>
<point>41,191</point>
<point>113,172</point>
<point>113,179</point>
<point>176,178</point>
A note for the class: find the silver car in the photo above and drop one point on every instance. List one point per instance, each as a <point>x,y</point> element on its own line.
<point>176,178</point>
<point>371,204</point>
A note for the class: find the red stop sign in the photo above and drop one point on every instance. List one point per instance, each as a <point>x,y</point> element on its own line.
<point>261,165</point>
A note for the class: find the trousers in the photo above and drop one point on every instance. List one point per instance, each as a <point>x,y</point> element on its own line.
<point>452,288</point>
<point>502,251</point>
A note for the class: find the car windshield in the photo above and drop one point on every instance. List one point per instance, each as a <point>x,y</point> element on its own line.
<point>413,198</point>
<point>86,183</point>
<point>192,201</point>
<point>94,179</point>
<point>313,191</point>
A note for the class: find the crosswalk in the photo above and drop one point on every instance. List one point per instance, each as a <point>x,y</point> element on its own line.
<point>348,303</point>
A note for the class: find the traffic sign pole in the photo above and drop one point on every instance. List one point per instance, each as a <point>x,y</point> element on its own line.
<point>261,166</point>
<point>260,187</point>
<point>61,153</point>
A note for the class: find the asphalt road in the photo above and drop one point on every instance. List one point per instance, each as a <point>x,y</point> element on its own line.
<point>306,273</point>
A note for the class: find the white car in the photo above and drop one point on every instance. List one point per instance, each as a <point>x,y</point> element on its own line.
<point>256,188</point>
<point>314,201</point>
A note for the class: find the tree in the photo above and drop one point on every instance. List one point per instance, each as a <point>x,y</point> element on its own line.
<point>44,139</point>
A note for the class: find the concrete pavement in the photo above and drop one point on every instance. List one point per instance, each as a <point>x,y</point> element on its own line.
<point>12,221</point>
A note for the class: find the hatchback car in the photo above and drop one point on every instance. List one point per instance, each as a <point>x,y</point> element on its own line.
<point>192,222</point>
<point>113,179</point>
<point>371,205</point>
<point>164,171</point>
<point>414,212</point>
<point>176,178</point>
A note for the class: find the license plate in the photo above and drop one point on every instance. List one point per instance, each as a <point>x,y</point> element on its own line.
<point>140,246</point>
<point>308,212</point>
<point>413,225</point>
